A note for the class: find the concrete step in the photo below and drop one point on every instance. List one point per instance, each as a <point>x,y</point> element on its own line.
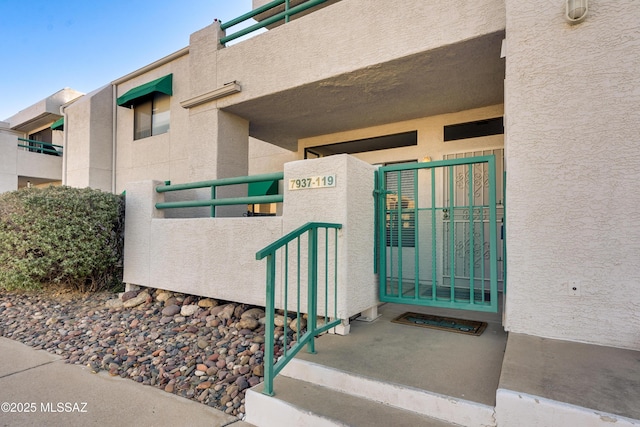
<point>299,403</point>
<point>447,408</point>
<point>301,377</point>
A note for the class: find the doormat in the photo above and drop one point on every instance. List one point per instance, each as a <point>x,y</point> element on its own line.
<point>461,326</point>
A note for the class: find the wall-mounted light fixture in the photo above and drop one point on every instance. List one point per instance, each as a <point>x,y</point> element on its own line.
<point>576,10</point>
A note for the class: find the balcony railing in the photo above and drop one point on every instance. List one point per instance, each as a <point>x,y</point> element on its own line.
<point>40,147</point>
<point>216,201</point>
<point>285,15</point>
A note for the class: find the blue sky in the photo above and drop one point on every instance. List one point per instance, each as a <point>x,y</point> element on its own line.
<point>84,44</point>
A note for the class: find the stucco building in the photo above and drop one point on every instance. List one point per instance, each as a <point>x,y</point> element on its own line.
<point>551,97</point>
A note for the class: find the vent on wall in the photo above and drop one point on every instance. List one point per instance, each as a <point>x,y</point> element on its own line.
<point>475,129</point>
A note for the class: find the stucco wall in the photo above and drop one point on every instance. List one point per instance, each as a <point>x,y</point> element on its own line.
<point>371,37</point>
<point>89,144</point>
<point>203,142</point>
<point>162,157</point>
<point>8,153</point>
<point>216,256</point>
<point>350,203</point>
<point>38,165</point>
<point>573,166</point>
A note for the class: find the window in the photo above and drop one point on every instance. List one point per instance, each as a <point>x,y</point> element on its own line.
<point>151,117</point>
<point>475,129</point>
<point>401,215</point>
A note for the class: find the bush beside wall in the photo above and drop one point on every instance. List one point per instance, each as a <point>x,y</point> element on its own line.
<point>61,235</point>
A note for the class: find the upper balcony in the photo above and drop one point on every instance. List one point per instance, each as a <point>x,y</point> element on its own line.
<point>352,65</point>
<point>42,113</point>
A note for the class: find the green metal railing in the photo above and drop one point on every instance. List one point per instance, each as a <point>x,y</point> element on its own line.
<point>272,369</point>
<point>40,147</point>
<point>288,12</point>
<point>213,185</point>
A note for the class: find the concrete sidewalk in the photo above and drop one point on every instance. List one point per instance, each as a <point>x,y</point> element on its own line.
<point>59,394</point>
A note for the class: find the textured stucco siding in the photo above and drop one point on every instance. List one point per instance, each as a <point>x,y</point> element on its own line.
<point>320,45</point>
<point>212,257</point>
<point>8,155</point>
<point>89,145</point>
<point>573,166</point>
<point>164,156</point>
<point>216,256</point>
<point>349,203</point>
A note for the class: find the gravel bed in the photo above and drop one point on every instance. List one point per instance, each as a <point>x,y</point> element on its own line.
<point>198,348</point>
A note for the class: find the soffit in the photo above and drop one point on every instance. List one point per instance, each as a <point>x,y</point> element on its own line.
<point>453,78</point>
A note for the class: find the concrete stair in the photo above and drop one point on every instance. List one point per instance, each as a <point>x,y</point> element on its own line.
<point>309,394</point>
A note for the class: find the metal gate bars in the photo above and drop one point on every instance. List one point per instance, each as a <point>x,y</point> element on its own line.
<point>437,233</point>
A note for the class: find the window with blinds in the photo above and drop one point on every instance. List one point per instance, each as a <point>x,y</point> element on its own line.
<point>401,208</point>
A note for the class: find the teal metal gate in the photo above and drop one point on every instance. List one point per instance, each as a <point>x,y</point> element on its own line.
<point>437,242</point>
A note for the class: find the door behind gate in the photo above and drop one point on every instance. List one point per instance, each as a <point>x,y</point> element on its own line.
<point>437,233</point>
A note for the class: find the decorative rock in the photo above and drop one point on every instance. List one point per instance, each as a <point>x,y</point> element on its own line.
<point>204,385</point>
<point>258,370</point>
<point>242,383</point>
<point>114,303</point>
<point>294,324</point>
<point>128,295</point>
<point>211,356</point>
<point>188,310</point>
<point>248,323</point>
<point>226,312</point>
<point>239,310</point>
<point>253,313</point>
<point>231,390</point>
<point>162,296</point>
<point>279,320</point>
<point>207,303</point>
<point>171,310</point>
<point>172,300</point>
<point>135,301</point>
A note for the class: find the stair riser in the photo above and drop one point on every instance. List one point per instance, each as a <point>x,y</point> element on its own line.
<point>433,405</point>
<point>271,412</point>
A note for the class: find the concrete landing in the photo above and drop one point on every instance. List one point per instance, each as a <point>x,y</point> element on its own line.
<point>446,363</point>
<point>551,381</point>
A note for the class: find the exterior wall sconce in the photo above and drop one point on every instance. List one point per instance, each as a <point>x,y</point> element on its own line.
<point>576,11</point>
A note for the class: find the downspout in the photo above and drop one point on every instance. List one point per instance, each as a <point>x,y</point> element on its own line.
<point>65,140</point>
<point>114,139</point>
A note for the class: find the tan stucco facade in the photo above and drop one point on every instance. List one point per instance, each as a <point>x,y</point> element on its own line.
<point>568,95</point>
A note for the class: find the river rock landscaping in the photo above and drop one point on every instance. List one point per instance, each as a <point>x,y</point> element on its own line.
<point>198,348</point>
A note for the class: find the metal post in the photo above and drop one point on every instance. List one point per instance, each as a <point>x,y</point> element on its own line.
<point>312,285</point>
<point>269,327</point>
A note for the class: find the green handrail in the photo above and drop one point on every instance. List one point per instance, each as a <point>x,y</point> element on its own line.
<point>272,369</point>
<point>215,183</point>
<point>40,146</point>
<point>268,21</point>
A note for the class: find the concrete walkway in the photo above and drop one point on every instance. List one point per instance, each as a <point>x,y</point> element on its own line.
<point>43,390</point>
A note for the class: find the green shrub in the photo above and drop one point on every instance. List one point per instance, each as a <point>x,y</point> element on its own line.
<point>61,235</point>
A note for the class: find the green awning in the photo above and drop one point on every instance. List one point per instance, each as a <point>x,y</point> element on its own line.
<point>162,85</point>
<point>58,124</point>
<point>263,188</point>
